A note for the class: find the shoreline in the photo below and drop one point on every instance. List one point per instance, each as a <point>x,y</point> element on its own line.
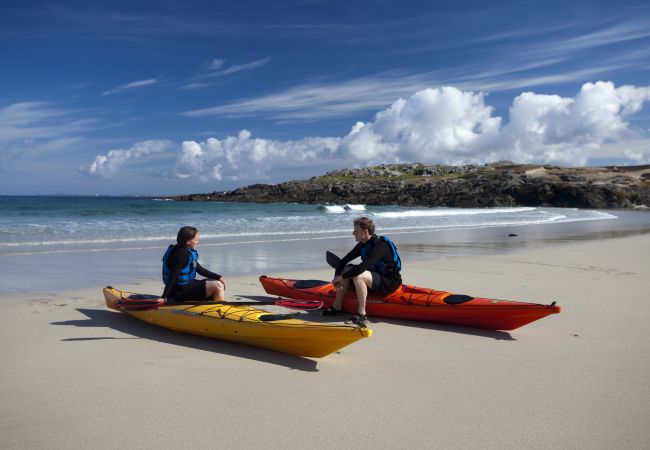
<point>77,374</point>
<point>47,272</point>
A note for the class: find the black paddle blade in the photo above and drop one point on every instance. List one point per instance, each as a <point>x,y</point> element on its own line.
<point>332,259</point>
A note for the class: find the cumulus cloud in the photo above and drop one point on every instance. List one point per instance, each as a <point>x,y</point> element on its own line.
<point>107,166</point>
<point>431,124</point>
<point>441,125</point>
<point>451,126</point>
<point>244,157</point>
<point>638,157</point>
<point>552,129</point>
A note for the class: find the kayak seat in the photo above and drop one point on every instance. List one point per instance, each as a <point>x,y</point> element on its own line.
<point>142,297</point>
<point>306,284</point>
<point>457,299</point>
<point>273,317</point>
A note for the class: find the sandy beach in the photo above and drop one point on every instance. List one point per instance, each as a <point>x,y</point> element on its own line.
<point>77,375</point>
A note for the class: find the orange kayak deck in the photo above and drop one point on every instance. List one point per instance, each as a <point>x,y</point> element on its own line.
<point>421,304</point>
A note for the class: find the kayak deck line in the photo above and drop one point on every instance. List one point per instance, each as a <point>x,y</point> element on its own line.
<point>410,302</point>
<point>244,324</point>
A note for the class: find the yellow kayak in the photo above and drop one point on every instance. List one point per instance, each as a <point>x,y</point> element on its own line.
<point>242,324</point>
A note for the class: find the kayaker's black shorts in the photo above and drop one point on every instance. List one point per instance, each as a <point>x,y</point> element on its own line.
<point>383,284</point>
<point>193,292</point>
<point>380,283</point>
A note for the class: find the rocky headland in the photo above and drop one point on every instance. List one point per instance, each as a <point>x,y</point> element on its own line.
<point>490,185</point>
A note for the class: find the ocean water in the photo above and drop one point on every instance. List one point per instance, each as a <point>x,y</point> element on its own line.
<point>42,225</point>
<point>66,242</point>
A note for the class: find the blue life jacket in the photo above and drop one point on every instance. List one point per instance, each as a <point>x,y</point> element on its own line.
<point>388,268</point>
<point>187,273</point>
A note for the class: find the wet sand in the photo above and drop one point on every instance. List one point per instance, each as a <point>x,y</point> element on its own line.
<point>77,375</point>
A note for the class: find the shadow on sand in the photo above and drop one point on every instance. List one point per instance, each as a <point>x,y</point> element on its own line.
<point>492,334</point>
<point>97,318</point>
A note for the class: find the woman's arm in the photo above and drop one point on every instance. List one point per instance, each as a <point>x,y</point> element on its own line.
<point>206,273</point>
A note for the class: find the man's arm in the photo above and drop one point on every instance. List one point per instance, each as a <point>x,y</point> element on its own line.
<point>377,254</point>
<point>353,254</point>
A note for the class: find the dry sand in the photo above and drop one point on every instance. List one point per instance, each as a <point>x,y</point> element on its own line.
<point>77,375</point>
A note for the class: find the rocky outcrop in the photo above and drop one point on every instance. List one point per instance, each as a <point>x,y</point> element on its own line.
<point>489,185</point>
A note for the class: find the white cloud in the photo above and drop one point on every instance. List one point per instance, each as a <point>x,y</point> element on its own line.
<point>194,86</point>
<point>450,126</point>
<point>442,125</point>
<point>220,71</point>
<point>31,127</point>
<point>132,85</point>
<point>315,101</point>
<point>33,120</point>
<point>432,123</point>
<point>568,131</point>
<point>217,68</point>
<point>561,53</point>
<point>107,166</point>
<point>215,64</point>
<point>638,156</point>
<point>244,157</point>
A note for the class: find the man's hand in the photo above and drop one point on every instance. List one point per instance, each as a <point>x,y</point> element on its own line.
<point>337,281</point>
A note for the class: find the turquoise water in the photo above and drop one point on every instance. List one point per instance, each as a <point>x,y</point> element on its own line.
<point>68,224</point>
<point>54,243</point>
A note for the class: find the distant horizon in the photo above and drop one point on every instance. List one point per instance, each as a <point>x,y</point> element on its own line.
<point>117,97</point>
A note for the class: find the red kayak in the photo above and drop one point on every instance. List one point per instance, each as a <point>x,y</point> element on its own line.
<point>422,304</point>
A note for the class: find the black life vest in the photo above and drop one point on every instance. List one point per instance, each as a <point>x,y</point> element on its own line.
<point>187,273</point>
<point>389,268</point>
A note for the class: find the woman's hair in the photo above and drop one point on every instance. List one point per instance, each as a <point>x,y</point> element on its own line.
<point>185,234</point>
<point>365,224</point>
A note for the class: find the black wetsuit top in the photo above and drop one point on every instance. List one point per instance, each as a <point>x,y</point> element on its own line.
<point>177,260</point>
<point>380,252</point>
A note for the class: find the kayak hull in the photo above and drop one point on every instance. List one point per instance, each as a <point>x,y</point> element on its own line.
<point>244,325</point>
<point>421,304</point>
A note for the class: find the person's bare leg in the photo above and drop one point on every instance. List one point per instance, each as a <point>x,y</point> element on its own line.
<point>215,290</point>
<point>340,293</point>
<point>341,290</point>
<point>361,283</point>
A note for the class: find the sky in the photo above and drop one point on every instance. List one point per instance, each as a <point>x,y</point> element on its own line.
<point>171,97</point>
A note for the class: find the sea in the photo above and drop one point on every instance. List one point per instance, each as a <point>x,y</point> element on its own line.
<point>52,243</point>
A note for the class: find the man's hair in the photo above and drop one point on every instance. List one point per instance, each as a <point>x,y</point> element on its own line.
<point>365,224</point>
<point>185,234</point>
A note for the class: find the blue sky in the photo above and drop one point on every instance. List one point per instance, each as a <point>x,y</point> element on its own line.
<point>119,98</point>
